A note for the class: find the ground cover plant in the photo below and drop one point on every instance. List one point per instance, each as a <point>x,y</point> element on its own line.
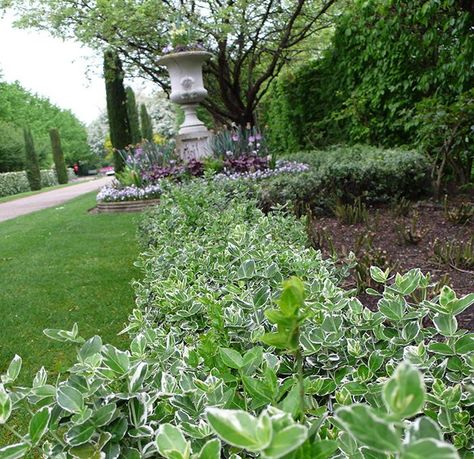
<point>230,360</point>
<point>58,265</point>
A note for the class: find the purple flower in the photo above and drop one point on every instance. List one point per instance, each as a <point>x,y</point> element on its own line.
<point>252,139</point>
<point>114,193</point>
<point>235,137</point>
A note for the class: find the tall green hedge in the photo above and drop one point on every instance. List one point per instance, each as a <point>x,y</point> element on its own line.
<point>385,58</point>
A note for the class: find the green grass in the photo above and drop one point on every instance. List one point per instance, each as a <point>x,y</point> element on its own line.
<point>32,193</point>
<point>57,267</point>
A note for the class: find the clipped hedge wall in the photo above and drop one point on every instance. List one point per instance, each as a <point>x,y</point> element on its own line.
<point>16,182</point>
<point>344,173</point>
<point>385,57</point>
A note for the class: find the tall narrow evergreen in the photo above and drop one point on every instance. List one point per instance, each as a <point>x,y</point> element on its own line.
<point>116,106</point>
<point>133,117</point>
<point>58,156</point>
<point>147,126</point>
<point>31,161</point>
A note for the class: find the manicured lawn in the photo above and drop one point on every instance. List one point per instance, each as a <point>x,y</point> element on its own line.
<point>57,267</point>
<point>60,266</point>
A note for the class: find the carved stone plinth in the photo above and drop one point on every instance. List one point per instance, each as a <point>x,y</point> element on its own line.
<point>187,90</point>
<point>193,144</point>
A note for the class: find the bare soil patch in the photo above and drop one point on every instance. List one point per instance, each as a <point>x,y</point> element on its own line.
<point>384,240</point>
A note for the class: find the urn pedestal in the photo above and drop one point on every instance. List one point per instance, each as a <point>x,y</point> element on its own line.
<point>187,90</point>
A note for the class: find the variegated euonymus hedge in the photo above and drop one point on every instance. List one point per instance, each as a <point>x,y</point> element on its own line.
<point>228,361</point>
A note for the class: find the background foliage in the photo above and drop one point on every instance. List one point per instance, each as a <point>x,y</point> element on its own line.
<point>19,107</point>
<point>384,58</point>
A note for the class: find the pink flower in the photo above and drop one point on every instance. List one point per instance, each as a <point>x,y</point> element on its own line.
<point>235,137</point>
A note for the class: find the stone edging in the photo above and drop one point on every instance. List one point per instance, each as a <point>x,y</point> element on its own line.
<point>125,206</point>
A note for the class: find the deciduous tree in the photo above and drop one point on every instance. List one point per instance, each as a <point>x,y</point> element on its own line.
<point>251,39</point>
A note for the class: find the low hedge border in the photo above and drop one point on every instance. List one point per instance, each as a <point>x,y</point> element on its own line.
<point>229,361</point>
<point>16,182</point>
<point>342,174</point>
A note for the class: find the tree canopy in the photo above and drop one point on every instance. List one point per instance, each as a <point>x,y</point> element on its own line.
<point>251,39</point>
<point>20,108</point>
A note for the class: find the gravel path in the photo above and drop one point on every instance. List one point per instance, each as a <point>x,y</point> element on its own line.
<point>40,201</point>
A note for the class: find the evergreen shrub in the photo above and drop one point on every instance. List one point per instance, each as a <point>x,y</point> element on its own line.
<point>17,182</point>
<point>344,173</point>
<point>228,361</point>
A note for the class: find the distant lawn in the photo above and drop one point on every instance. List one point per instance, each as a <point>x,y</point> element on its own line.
<point>12,197</point>
<point>57,267</point>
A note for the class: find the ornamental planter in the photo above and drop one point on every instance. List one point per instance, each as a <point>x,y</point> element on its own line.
<point>187,90</point>
<point>126,206</point>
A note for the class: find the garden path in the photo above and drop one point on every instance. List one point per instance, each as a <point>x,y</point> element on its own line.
<point>29,204</point>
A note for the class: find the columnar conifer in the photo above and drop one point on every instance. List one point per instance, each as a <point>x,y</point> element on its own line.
<point>133,117</point>
<point>116,106</point>
<point>147,126</point>
<point>58,156</point>
<point>31,161</point>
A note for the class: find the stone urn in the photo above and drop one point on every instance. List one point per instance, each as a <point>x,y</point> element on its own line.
<point>187,90</point>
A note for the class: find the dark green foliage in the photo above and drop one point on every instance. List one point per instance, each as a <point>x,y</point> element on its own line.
<point>11,148</point>
<point>19,108</point>
<point>385,57</point>
<point>147,126</point>
<point>444,132</point>
<point>133,117</point>
<point>116,106</point>
<point>31,161</point>
<point>345,174</point>
<point>58,156</point>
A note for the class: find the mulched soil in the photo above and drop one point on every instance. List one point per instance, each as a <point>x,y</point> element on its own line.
<point>387,244</point>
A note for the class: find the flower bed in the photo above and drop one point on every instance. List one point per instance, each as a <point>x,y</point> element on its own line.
<point>118,193</point>
<point>281,167</point>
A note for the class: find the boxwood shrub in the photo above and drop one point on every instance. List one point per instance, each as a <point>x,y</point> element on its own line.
<point>16,182</point>
<point>344,173</point>
<point>228,360</point>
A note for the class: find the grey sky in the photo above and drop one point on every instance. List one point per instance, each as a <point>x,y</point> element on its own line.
<point>68,74</point>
